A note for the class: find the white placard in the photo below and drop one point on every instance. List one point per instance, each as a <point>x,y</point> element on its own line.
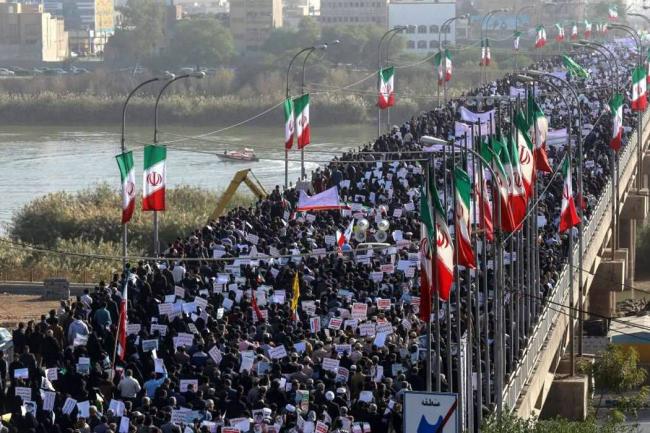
<point>184,383</point>
<point>69,405</point>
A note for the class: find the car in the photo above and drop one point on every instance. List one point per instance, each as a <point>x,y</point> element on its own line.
<point>54,71</point>
<point>4,72</point>
<point>21,72</point>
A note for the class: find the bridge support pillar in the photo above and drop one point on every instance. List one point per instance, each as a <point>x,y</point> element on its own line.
<point>568,398</point>
<point>609,279</point>
<point>634,211</point>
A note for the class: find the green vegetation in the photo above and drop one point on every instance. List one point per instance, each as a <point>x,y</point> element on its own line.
<point>509,423</point>
<point>88,222</point>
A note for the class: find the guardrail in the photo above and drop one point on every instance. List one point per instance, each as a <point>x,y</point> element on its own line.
<point>559,294</point>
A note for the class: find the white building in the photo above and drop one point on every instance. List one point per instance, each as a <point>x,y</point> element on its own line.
<point>424,18</point>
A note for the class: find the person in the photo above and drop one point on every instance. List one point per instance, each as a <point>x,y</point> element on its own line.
<point>128,386</point>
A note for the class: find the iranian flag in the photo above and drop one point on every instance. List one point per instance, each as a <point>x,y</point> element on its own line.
<point>488,54</point>
<point>154,178</point>
<point>289,123</point>
<point>587,29</point>
<point>639,98</point>
<point>444,247</point>
<point>301,111</point>
<point>560,32</point>
<point>426,257</point>
<point>574,32</point>
<point>613,13</point>
<point>463,188</point>
<point>515,41</point>
<point>121,326</point>
<point>540,38</point>
<point>524,147</point>
<point>386,88</point>
<point>616,107</point>
<point>443,64</point>
<point>342,238</point>
<point>604,28</point>
<point>538,130</point>
<point>483,197</point>
<point>516,191</point>
<point>127,175</point>
<point>568,215</point>
<point>490,152</point>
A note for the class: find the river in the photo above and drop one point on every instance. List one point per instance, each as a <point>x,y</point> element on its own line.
<point>38,160</point>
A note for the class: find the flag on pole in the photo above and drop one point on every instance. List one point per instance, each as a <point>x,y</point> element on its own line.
<point>538,130</point>
<point>500,186</point>
<point>154,178</point>
<point>488,53</point>
<point>256,308</point>
<point>485,208</point>
<point>574,32</point>
<point>437,62</point>
<point>127,176</point>
<point>121,326</point>
<point>613,13</point>
<point>386,88</point>
<point>482,62</point>
<point>616,107</point>
<point>343,238</point>
<point>568,215</point>
<point>517,197</point>
<point>301,110</point>
<point>426,259</point>
<point>639,97</point>
<point>604,28</point>
<point>448,65</point>
<point>560,32</point>
<point>463,192</point>
<point>574,68</point>
<point>515,41</point>
<point>444,246</point>
<point>443,63</point>
<point>524,152</point>
<point>540,37</point>
<point>587,29</point>
<point>295,297</point>
<point>289,123</point>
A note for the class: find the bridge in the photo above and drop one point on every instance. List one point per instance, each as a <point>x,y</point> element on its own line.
<point>541,370</point>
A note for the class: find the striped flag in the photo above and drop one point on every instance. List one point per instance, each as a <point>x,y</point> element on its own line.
<point>463,189</point>
<point>289,123</point>
<point>127,175</point>
<point>639,97</point>
<point>568,215</point>
<point>121,326</point>
<point>154,178</point>
<point>303,128</point>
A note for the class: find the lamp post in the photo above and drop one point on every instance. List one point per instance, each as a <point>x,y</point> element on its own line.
<point>172,79</point>
<point>379,66</point>
<point>486,21</point>
<point>288,95</point>
<point>613,64</point>
<point>519,12</point>
<point>637,40</point>
<point>445,28</point>
<point>538,75</point>
<point>643,17</point>
<point>309,53</point>
<point>390,40</point>
<point>123,148</point>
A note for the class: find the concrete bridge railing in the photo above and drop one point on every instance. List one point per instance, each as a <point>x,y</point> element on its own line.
<point>521,393</point>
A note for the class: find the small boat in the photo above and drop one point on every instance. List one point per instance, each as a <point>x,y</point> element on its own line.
<point>239,155</point>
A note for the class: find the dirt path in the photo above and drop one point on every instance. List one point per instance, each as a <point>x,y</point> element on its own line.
<point>22,308</point>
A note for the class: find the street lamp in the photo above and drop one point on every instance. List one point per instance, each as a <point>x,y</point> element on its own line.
<point>380,64</point>
<point>538,76</point>
<point>637,40</point>
<point>390,40</point>
<point>172,79</point>
<point>486,20</point>
<point>445,27</point>
<point>309,53</point>
<point>123,147</point>
<point>645,18</point>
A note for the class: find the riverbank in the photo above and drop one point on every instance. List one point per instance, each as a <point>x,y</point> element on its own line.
<point>74,109</point>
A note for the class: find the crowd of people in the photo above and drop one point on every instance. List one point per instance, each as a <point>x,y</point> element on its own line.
<point>215,343</point>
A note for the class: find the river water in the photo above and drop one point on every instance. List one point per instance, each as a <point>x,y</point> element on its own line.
<point>38,160</point>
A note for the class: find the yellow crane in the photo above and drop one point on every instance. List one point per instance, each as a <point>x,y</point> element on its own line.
<point>251,181</point>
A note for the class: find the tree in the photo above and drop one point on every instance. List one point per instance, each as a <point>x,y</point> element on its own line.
<point>201,42</point>
<point>617,370</point>
<point>510,423</point>
<point>142,32</point>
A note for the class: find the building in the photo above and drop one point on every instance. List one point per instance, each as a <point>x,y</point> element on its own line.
<point>203,7</point>
<point>293,11</point>
<point>27,33</point>
<point>89,22</point>
<point>424,19</point>
<point>252,21</point>
<point>359,12</point>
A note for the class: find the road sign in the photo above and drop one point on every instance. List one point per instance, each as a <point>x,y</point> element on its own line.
<point>431,412</point>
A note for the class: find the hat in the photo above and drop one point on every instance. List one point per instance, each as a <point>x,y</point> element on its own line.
<point>329,395</point>
<point>353,367</point>
<point>340,390</point>
<point>290,408</point>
